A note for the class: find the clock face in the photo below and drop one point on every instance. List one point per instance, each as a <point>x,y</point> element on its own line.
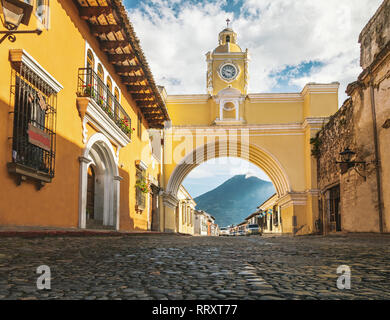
<point>228,71</point>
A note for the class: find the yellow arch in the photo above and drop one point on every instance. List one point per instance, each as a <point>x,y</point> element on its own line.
<point>253,153</point>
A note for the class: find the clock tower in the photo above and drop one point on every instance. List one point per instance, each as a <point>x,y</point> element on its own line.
<point>227,76</point>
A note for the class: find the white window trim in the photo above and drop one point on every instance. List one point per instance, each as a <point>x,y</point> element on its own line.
<point>34,66</point>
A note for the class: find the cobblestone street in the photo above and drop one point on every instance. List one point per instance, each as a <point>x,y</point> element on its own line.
<point>180,267</point>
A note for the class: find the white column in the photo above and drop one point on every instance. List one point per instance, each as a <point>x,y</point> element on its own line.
<point>117,193</point>
<point>84,164</point>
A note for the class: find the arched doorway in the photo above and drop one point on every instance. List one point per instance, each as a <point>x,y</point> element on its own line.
<point>99,185</point>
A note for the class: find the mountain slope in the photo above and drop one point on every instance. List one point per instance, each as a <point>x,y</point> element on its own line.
<point>235,199</point>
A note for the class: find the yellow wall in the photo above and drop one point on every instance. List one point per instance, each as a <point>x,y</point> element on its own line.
<point>61,51</point>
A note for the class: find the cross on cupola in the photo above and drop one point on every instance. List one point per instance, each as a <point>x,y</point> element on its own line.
<point>227,22</point>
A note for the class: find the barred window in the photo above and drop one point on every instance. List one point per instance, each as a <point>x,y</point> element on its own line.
<point>140,196</point>
<point>33,141</point>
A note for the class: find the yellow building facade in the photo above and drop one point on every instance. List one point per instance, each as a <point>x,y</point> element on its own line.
<point>271,130</point>
<point>185,213</point>
<point>271,216</point>
<point>78,108</point>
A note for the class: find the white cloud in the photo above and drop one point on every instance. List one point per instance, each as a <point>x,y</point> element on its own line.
<point>226,167</point>
<point>176,35</point>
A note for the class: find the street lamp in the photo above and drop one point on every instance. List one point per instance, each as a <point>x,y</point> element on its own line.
<point>16,12</point>
<point>346,162</point>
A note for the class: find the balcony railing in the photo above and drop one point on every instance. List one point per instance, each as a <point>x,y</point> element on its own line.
<point>91,86</point>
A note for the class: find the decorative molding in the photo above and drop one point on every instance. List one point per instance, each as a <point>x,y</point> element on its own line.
<point>21,56</point>
<point>85,130</point>
<point>275,98</point>
<point>170,200</point>
<point>188,99</point>
<point>117,152</point>
<point>293,198</point>
<point>100,119</point>
<point>320,88</point>
<point>314,122</point>
<point>85,160</point>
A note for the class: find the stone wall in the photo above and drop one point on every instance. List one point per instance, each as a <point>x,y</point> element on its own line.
<point>336,135</point>
<point>375,35</point>
<point>363,125</point>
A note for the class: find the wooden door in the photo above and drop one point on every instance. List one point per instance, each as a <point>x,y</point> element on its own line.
<point>90,193</point>
<point>334,209</point>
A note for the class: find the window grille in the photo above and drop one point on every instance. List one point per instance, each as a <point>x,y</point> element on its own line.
<point>34,125</point>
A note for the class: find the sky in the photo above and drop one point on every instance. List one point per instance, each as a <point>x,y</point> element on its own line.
<point>291,43</point>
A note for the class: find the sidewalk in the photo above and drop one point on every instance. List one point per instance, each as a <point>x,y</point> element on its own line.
<point>38,232</point>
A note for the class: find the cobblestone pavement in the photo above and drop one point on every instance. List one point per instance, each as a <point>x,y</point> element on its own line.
<point>181,267</point>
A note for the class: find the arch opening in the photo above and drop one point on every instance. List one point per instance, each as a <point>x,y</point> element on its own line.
<point>250,152</point>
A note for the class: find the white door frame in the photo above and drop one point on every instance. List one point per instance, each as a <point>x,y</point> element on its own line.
<point>111,180</point>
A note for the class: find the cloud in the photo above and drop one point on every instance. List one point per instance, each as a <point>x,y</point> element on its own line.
<point>226,167</point>
<point>176,35</point>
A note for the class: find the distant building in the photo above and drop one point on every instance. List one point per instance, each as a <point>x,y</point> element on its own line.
<point>254,218</point>
<point>270,220</point>
<point>201,223</point>
<point>185,213</point>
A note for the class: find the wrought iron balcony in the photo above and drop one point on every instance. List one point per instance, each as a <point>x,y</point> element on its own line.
<point>91,86</point>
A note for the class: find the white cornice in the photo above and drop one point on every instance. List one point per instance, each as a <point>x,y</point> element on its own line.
<point>170,200</point>
<point>100,119</point>
<point>275,97</point>
<point>295,126</point>
<point>229,54</point>
<point>317,122</point>
<point>20,55</point>
<point>188,99</point>
<point>296,199</point>
<point>320,88</point>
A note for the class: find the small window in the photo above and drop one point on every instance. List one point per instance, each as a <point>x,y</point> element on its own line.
<point>100,81</point>
<point>90,67</point>
<point>116,94</point>
<point>227,39</point>
<point>90,60</point>
<point>116,103</point>
<point>110,97</point>
<point>42,12</point>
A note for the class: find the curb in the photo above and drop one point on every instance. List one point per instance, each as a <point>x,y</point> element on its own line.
<point>76,233</point>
